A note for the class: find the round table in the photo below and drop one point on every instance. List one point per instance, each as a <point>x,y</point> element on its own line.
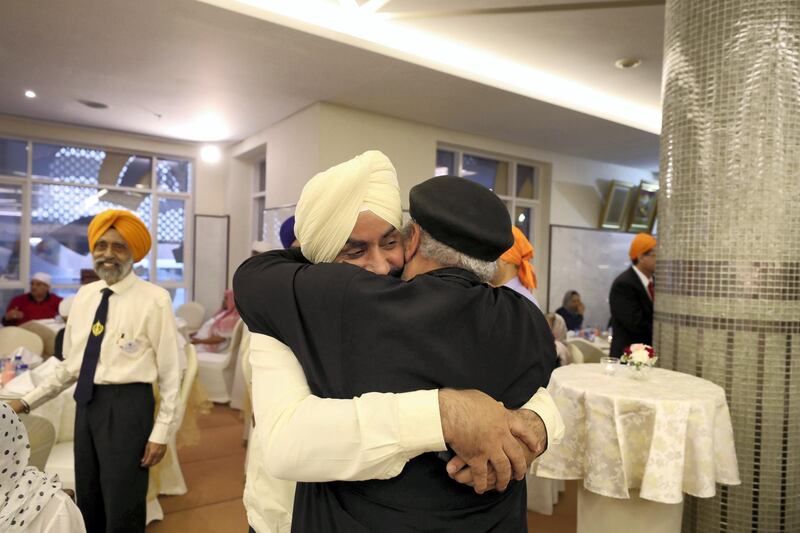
<point>639,445</point>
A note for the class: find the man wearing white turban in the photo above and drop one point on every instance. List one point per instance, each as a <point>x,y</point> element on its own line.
<point>351,214</point>
<point>334,202</point>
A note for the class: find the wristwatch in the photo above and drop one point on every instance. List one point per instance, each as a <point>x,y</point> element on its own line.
<point>25,407</point>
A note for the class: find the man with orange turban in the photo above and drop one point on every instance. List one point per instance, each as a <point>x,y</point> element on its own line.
<point>632,295</point>
<point>120,339</point>
<point>514,268</point>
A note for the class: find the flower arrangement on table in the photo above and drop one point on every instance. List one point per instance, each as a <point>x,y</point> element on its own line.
<point>639,356</point>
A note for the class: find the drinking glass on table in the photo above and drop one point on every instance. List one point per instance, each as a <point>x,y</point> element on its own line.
<point>609,365</point>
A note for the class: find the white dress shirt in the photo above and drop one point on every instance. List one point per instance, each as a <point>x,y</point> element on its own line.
<point>302,437</point>
<point>644,279</point>
<point>140,345</point>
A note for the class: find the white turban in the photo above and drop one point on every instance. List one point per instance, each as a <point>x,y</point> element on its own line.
<point>45,278</point>
<point>331,201</point>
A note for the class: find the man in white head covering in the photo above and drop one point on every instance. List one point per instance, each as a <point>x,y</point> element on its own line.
<point>349,214</point>
<point>38,304</point>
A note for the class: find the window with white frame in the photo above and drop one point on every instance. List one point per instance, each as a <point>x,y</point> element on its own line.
<point>516,182</point>
<point>49,193</point>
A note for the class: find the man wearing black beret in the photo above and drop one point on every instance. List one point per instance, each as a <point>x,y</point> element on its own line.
<point>355,332</point>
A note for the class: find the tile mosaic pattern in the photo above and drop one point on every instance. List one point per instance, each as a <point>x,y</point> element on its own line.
<point>728,290</point>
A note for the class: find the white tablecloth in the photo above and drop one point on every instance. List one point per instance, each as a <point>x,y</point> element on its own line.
<point>668,434</point>
<point>55,324</point>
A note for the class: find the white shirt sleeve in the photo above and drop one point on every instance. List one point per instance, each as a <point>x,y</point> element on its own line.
<point>65,373</point>
<point>543,405</point>
<point>307,438</point>
<point>164,335</point>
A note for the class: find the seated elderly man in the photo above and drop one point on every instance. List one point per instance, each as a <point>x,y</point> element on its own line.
<point>367,354</point>
<point>37,304</point>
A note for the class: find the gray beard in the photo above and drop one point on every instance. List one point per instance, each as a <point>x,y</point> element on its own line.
<point>113,275</point>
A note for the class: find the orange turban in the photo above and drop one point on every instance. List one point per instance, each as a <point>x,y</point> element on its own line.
<point>642,243</point>
<point>128,225</point>
<point>521,254</point>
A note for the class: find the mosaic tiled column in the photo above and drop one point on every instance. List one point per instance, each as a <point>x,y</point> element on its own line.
<point>728,274</point>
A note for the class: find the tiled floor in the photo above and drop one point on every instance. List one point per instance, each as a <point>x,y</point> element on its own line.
<point>214,473</point>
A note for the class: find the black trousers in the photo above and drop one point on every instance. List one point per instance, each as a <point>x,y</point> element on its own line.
<point>111,433</point>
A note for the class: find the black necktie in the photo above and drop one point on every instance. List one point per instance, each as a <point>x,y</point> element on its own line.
<point>91,355</point>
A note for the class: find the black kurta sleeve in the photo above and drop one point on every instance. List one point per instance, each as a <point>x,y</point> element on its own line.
<point>282,295</point>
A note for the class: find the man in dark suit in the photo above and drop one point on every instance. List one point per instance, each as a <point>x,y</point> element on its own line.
<point>632,296</point>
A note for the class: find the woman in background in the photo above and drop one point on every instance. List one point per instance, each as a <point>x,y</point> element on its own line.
<point>571,310</point>
<point>215,335</point>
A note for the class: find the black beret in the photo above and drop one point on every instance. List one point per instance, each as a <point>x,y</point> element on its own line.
<point>463,215</point>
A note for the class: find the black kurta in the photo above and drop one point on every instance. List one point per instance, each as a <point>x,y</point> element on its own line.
<point>356,332</point>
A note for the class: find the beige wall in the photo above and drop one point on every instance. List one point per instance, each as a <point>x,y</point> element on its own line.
<point>291,148</point>
<point>326,134</point>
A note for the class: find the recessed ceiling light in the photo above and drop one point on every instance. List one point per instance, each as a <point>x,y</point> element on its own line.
<point>210,153</point>
<point>93,104</point>
<point>627,63</point>
<point>30,94</point>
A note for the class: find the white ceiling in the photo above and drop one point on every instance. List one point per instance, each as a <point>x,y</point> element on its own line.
<point>187,70</point>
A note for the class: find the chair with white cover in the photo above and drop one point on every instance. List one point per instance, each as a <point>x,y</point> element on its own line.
<point>62,456</point>
<point>45,333</point>
<point>194,314</point>
<point>12,337</point>
<point>171,481</point>
<point>216,370</point>
<point>575,353</point>
<point>42,436</point>
<point>591,353</point>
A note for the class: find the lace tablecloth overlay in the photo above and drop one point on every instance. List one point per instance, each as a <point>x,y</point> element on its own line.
<point>665,435</point>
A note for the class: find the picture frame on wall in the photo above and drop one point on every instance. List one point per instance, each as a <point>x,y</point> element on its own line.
<point>643,211</point>
<point>615,206</point>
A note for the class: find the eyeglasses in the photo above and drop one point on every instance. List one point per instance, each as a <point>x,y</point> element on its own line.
<point>116,247</point>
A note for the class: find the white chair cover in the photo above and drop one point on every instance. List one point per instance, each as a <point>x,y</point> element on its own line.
<point>193,313</point>
<point>47,334</point>
<point>42,436</point>
<point>217,369</point>
<point>591,353</point>
<point>12,337</point>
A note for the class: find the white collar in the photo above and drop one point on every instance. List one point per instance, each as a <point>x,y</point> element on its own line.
<point>644,279</point>
<point>124,284</point>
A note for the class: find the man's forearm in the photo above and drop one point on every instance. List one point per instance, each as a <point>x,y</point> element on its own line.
<point>369,437</point>
<point>307,438</point>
